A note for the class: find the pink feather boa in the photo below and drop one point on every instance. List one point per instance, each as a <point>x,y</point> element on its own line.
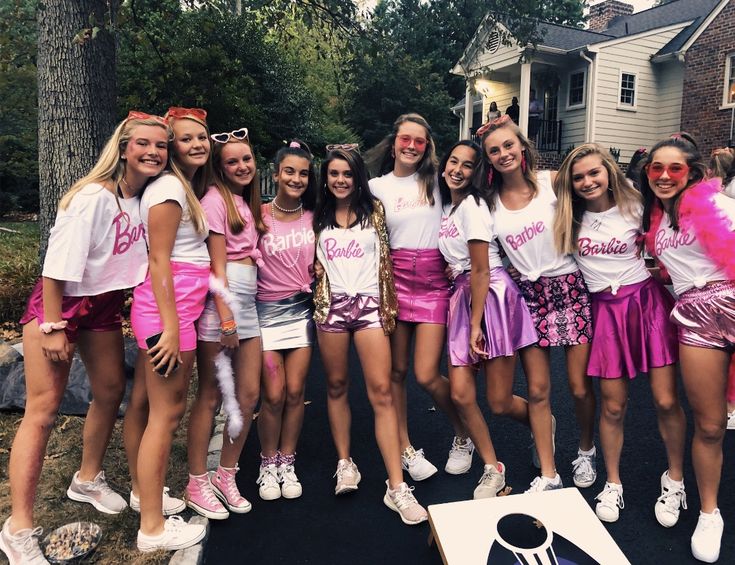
<point>711,226</point>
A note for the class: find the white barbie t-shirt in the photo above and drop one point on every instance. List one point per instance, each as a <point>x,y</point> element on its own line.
<point>189,246</point>
<point>608,253</point>
<point>412,223</point>
<point>683,255</point>
<point>350,258</point>
<point>97,244</point>
<point>469,221</point>
<point>527,234</point>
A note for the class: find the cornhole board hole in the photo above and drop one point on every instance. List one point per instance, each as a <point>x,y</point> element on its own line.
<point>555,527</point>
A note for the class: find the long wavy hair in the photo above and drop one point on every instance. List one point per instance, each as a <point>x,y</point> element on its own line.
<point>384,155</point>
<point>361,200</point>
<point>492,188</point>
<point>251,193</point>
<point>571,207</point>
<point>109,165</point>
<point>696,174</point>
<point>473,188</point>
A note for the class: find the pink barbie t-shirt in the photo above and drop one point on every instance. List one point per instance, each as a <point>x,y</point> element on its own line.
<point>238,245</point>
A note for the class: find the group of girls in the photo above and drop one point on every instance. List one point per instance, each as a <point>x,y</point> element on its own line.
<point>175,212</point>
<point>574,241</point>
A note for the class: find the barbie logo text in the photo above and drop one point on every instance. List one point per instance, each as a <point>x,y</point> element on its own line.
<point>349,251</point>
<point>404,204</point>
<point>612,247</point>
<point>528,233</point>
<point>125,234</point>
<point>448,229</point>
<point>274,243</point>
<point>673,241</point>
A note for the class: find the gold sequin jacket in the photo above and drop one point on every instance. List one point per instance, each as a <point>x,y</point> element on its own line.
<point>388,309</point>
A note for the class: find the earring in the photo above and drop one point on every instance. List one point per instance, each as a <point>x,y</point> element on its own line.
<point>393,153</point>
<point>122,157</point>
<point>523,162</point>
<point>490,175</point>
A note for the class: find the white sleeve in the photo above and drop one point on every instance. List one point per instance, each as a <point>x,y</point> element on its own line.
<point>475,220</point>
<point>727,205</point>
<point>68,248</point>
<point>165,188</point>
<point>729,190</point>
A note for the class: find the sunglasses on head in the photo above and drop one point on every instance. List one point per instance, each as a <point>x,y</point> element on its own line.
<point>343,146</point>
<point>193,113</point>
<point>224,137</point>
<point>406,140</point>
<point>136,115</point>
<point>676,171</point>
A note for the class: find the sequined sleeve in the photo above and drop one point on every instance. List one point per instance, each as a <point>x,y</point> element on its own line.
<point>322,294</point>
<point>388,298</point>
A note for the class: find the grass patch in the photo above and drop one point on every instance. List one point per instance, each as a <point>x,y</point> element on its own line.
<point>53,509</point>
<point>19,270</point>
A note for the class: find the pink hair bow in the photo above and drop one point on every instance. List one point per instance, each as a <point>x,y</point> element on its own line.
<point>497,122</point>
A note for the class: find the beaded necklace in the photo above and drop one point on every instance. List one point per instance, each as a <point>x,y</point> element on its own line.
<point>275,234</point>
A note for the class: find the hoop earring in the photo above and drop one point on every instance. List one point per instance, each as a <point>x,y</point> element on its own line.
<point>524,165</point>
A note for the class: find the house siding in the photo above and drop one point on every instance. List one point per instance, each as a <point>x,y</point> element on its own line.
<point>505,56</point>
<point>704,78</point>
<point>656,110</point>
<point>573,121</point>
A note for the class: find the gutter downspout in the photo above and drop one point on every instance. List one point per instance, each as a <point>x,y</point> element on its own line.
<point>591,92</point>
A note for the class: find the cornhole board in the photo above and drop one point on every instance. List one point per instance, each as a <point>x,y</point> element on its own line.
<point>555,527</point>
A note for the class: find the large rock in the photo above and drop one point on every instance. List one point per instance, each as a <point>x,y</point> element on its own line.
<point>77,395</point>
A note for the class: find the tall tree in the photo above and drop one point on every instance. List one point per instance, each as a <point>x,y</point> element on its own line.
<point>76,94</point>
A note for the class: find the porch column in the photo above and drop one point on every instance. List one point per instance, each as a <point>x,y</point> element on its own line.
<point>467,112</point>
<point>525,97</point>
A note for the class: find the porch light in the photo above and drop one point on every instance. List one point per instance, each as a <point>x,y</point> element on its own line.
<point>483,86</point>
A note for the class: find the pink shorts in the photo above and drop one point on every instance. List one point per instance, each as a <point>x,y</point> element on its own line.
<point>191,283</point>
<point>706,316</point>
<point>352,314</point>
<point>99,313</point>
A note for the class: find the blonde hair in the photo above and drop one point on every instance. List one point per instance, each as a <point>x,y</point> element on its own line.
<point>492,188</point>
<point>110,166</point>
<point>251,197</point>
<point>195,187</point>
<point>720,163</point>
<point>570,207</point>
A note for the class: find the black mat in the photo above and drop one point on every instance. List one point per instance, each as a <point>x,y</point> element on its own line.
<point>320,528</point>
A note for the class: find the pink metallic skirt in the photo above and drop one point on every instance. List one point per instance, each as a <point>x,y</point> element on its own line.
<point>507,324</point>
<point>706,316</point>
<point>421,285</point>
<point>632,332</point>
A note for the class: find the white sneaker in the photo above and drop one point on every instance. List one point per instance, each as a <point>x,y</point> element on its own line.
<point>673,497</point>
<point>540,484</point>
<point>731,420</point>
<point>584,468</point>
<point>177,534</point>
<point>491,482</point>
<point>460,456</point>
<point>270,485</point>
<point>610,502</point>
<point>416,464</point>
<point>348,477</point>
<point>290,485</point>
<point>21,548</point>
<point>534,452</point>
<point>403,501</point>
<point>708,536</point>
<point>170,505</point>
<point>97,493</point>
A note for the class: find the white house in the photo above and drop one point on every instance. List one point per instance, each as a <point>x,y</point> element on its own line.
<point>619,83</point>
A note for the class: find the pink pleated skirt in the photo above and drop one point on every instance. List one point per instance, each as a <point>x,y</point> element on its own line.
<point>632,331</point>
<point>507,324</point>
<point>421,285</point>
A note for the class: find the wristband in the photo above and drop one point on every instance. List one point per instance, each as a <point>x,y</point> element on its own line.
<point>228,325</point>
<point>232,331</point>
<point>48,327</point>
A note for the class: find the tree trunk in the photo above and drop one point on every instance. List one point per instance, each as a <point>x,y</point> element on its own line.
<point>76,96</point>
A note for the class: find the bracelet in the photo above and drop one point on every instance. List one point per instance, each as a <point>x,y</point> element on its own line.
<point>228,325</point>
<point>48,327</point>
<point>232,331</point>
